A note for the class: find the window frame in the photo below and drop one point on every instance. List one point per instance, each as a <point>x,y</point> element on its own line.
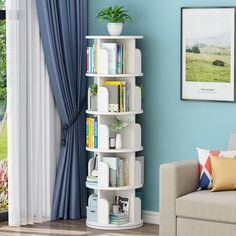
<point>3,215</point>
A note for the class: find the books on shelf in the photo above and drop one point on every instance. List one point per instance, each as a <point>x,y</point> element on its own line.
<point>117,58</point>
<point>118,95</point>
<point>118,218</point>
<point>92,181</point>
<point>122,215</point>
<point>92,132</point>
<point>118,174</point>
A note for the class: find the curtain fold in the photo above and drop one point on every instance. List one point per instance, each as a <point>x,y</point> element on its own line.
<point>33,121</point>
<point>63,26</point>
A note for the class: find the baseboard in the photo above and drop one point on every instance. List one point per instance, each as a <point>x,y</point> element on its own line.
<point>151,217</point>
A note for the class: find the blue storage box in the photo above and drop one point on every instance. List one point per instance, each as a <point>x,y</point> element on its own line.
<point>92,213</point>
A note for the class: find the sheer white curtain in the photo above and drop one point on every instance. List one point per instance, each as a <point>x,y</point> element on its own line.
<point>33,121</point>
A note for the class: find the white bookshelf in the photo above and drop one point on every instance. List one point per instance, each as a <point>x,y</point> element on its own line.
<point>131,139</point>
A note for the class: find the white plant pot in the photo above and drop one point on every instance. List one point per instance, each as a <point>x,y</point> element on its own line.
<point>115,29</point>
<point>118,141</point>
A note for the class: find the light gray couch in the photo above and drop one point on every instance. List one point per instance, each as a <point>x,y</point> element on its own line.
<point>187,212</point>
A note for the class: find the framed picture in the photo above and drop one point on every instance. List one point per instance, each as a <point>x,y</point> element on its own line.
<point>208,54</point>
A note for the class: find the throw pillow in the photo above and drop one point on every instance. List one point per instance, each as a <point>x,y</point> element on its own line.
<point>223,173</point>
<point>205,165</point>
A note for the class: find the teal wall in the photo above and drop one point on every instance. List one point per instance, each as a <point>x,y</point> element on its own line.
<point>171,128</point>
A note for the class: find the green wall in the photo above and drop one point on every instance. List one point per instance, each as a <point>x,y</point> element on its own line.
<point>171,128</point>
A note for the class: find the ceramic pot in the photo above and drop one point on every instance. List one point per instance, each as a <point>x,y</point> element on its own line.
<point>114,29</point>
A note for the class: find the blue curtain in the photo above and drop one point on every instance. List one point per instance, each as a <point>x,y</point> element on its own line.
<point>63,26</point>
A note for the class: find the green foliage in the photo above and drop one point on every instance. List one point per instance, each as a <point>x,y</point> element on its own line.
<point>93,88</point>
<point>3,143</point>
<point>2,4</point>
<point>194,49</point>
<point>3,94</point>
<point>3,71</point>
<point>116,14</point>
<point>117,125</point>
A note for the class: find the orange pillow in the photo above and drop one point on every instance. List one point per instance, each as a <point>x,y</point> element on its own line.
<point>223,173</point>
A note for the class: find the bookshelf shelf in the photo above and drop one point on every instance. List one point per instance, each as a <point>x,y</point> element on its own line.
<point>115,75</point>
<point>115,188</point>
<point>114,62</point>
<point>126,150</point>
<point>114,113</point>
<point>129,225</point>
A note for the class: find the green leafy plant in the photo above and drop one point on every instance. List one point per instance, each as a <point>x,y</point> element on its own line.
<point>116,14</point>
<point>93,88</point>
<point>117,125</point>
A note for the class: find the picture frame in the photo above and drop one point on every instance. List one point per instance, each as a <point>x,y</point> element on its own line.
<point>208,53</point>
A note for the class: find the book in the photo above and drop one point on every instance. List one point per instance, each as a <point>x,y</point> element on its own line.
<point>122,173</point>
<point>87,132</point>
<point>95,137</point>
<point>112,56</point>
<point>119,59</point>
<point>87,59</point>
<point>92,179</point>
<point>91,60</point>
<point>113,169</point>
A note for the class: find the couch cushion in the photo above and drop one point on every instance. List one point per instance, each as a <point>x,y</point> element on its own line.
<point>207,205</point>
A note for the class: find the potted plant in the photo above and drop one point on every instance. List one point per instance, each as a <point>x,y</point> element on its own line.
<point>115,16</point>
<point>116,126</point>
<point>93,89</point>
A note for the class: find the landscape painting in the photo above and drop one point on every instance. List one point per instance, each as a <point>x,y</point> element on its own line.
<point>207,63</point>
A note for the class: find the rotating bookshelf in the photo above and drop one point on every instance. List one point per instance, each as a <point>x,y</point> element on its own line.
<point>114,173</point>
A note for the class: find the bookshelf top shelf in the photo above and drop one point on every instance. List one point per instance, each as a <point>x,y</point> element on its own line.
<point>114,37</point>
<point>114,76</point>
<point>114,113</point>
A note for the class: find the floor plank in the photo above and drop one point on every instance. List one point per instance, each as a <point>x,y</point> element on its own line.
<point>71,228</point>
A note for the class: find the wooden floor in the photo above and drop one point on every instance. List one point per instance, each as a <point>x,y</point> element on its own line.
<point>70,227</point>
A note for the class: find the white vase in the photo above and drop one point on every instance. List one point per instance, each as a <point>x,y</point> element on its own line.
<point>93,103</point>
<point>118,141</point>
<point>115,29</point>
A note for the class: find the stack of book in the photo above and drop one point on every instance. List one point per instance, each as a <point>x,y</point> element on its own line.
<point>92,132</point>
<point>118,174</point>
<point>118,95</point>
<point>118,218</point>
<point>117,58</point>
<point>92,181</point>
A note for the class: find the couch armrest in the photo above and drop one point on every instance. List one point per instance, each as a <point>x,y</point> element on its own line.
<point>176,180</point>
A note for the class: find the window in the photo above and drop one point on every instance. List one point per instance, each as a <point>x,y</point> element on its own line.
<point>3,116</point>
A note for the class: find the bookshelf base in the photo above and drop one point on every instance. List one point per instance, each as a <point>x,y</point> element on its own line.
<point>130,225</point>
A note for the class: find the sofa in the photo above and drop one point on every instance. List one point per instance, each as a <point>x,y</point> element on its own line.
<point>184,211</point>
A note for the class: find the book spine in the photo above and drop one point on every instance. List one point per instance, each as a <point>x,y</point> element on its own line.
<point>92,127</point>
<point>95,132</point>
<point>87,59</point>
<point>121,98</point>
<point>119,59</point>
<point>90,132</point>
<point>91,60</point>
<point>87,132</point>
<point>127,97</point>
<point>124,96</point>
<point>124,59</point>
<point>96,57</point>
